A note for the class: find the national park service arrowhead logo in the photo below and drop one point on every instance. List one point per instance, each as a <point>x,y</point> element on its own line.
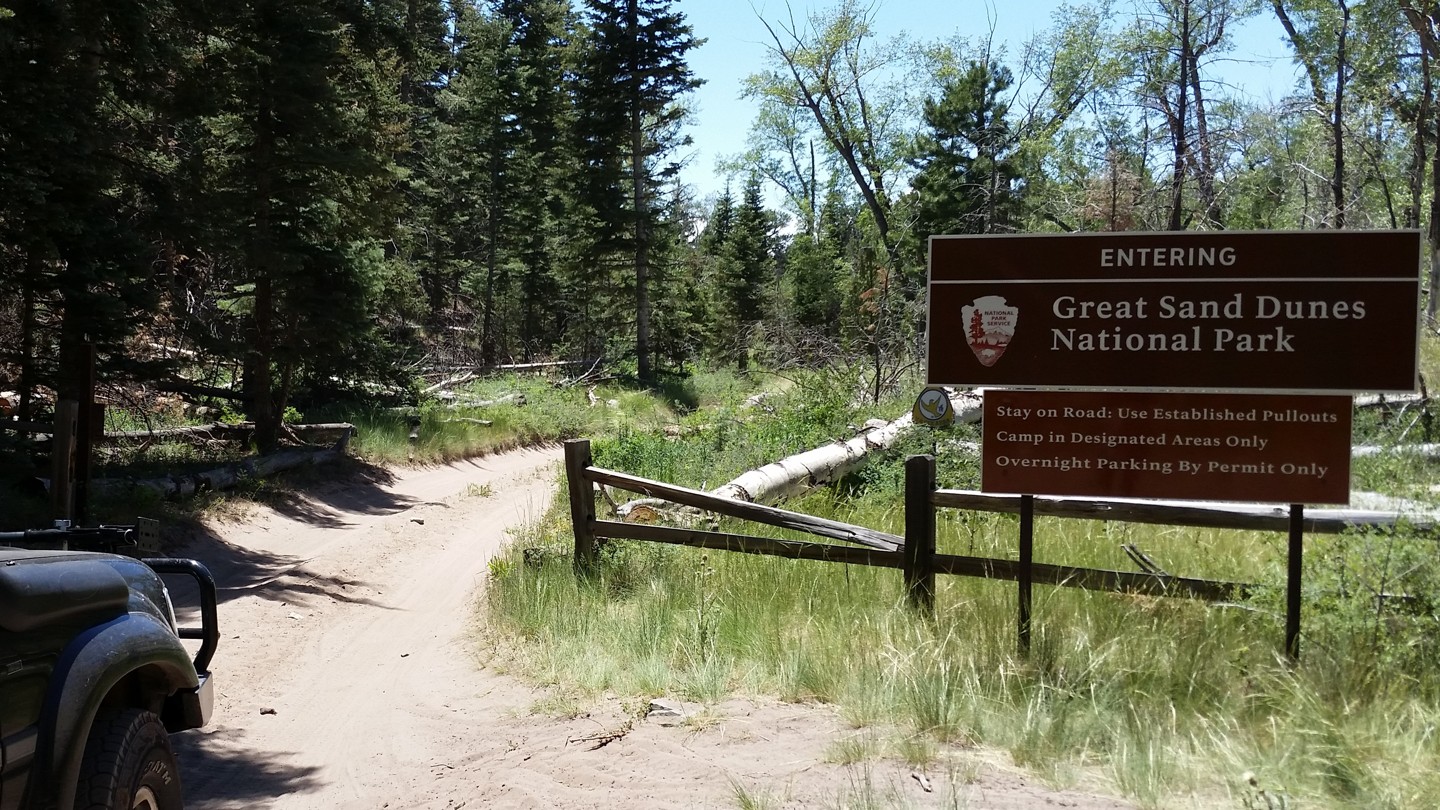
<point>989,326</point>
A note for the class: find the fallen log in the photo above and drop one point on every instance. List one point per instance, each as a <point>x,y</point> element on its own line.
<point>462,377</point>
<point>793,475</point>
<point>1371,503</point>
<point>226,477</point>
<point>1367,450</point>
<point>1205,514</point>
<point>1389,400</point>
<point>323,432</point>
<point>450,399</point>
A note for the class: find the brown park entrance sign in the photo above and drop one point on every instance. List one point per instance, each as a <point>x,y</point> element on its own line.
<point>1267,448</point>
<point>1316,312</point>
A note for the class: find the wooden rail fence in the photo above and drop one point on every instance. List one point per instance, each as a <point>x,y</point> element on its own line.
<point>915,555</point>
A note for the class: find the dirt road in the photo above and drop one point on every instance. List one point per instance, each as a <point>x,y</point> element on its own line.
<point>346,680</point>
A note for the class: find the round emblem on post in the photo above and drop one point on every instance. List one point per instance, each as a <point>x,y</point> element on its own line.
<point>933,408</point>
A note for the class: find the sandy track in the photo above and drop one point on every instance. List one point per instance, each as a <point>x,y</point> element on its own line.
<point>345,680</point>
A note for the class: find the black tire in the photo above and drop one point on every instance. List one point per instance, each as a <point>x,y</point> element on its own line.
<point>128,764</point>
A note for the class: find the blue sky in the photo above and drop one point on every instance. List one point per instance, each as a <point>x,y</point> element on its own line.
<point>736,42</point>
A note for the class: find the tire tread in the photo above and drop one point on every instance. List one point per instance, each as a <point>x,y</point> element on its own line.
<point>113,733</point>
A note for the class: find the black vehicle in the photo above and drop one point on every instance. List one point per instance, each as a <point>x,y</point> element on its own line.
<point>93,675</point>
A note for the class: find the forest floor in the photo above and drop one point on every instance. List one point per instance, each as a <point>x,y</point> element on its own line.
<point>349,676</point>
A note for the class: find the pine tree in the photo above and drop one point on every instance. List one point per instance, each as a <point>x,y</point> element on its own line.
<point>297,166</point>
<point>969,179</point>
<point>83,176</point>
<point>753,246</point>
<point>680,326</point>
<point>750,271</point>
<point>485,132</point>
<point>418,275</point>
<point>540,167</point>
<point>818,274</point>
<point>633,75</point>
<point>720,224</point>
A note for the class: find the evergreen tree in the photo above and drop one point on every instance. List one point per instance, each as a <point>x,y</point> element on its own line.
<point>720,225</point>
<point>818,277</point>
<point>295,175</point>
<point>540,168</point>
<point>419,277</point>
<point>85,160</point>
<point>969,180</point>
<point>485,133</point>
<point>751,269</point>
<point>681,325</point>
<point>632,78</point>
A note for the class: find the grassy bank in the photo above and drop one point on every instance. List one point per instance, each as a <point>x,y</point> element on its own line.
<point>1173,703</point>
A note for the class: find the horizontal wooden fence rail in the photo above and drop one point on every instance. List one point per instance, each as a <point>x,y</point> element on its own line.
<point>759,513</point>
<point>1093,579</point>
<point>721,541</point>
<point>1251,517</point>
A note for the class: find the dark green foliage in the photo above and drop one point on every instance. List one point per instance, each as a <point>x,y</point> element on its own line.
<point>291,188</point>
<point>85,89</point>
<point>739,244</point>
<point>752,247</point>
<point>632,77</point>
<point>540,182</point>
<point>968,178</point>
<point>685,309</point>
<point>813,266</point>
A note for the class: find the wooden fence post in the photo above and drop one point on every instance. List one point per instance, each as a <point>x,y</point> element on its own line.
<point>1025,578</point>
<point>919,548</point>
<point>1295,572</point>
<point>62,459</point>
<point>86,429</point>
<point>582,502</point>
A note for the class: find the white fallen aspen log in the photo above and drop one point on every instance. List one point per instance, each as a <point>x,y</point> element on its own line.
<point>793,475</point>
<point>462,377</point>
<point>1367,450</point>
<point>1406,507</point>
<point>1389,400</point>
<point>508,399</point>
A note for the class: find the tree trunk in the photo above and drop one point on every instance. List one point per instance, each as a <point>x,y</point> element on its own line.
<point>488,340</point>
<point>1177,125</point>
<point>1424,24</point>
<point>639,199</point>
<point>1422,127</point>
<point>258,384</point>
<point>28,326</point>
<point>225,477</point>
<point>1337,124</point>
<point>1205,155</point>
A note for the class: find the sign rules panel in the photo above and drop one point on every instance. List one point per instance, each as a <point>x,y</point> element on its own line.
<point>1317,312</point>
<point>1257,447</point>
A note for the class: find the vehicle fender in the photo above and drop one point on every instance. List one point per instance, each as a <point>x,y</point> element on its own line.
<point>85,673</point>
